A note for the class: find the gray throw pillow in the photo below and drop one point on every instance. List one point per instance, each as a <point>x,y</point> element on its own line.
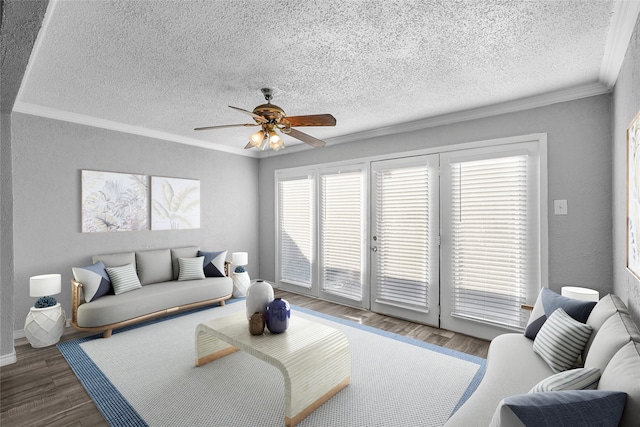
<point>191,268</point>
<point>123,279</point>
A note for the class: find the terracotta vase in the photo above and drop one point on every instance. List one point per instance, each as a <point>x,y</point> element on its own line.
<point>256,324</point>
<point>259,294</point>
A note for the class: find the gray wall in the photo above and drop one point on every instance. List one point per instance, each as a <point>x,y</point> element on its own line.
<point>48,156</point>
<point>6,239</point>
<point>579,162</point>
<point>626,103</point>
<point>21,21</point>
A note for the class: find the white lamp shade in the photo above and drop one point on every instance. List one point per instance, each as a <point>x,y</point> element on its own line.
<point>44,285</point>
<point>240,258</point>
<point>583,294</point>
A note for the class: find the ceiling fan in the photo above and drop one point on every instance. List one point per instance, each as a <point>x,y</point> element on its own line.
<point>270,118</point>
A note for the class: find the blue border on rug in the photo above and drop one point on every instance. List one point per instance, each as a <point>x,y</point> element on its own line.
<point>119,413</point>
<point>473,385</point>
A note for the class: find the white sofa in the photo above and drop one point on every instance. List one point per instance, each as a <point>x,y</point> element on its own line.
<point>513,369</point>
<point>161,292</point>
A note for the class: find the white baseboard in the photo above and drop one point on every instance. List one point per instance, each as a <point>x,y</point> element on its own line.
<point>8,359</point>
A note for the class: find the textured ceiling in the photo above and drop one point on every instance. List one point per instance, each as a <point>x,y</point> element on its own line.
<point>170,66</point>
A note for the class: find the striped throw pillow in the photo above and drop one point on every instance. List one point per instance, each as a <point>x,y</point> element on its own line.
<point>191,268</point>
<point>123,279</point>
<point>573,379</point>
<point>561,340</point>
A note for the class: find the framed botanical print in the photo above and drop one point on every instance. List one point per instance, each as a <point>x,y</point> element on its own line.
<point>633,196</point>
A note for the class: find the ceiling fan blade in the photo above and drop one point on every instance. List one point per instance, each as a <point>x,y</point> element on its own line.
<point>226,126</point>
<point>312,120</point>
<point>251,113</point>
<point>314,142</point>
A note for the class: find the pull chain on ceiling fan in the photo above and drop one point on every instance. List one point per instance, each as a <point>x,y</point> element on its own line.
<point>272,118</point>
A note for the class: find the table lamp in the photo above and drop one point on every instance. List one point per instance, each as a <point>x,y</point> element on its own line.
<point>46,319</point>
<point>583,294</point>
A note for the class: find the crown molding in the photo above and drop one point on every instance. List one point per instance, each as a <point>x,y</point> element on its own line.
<point>52,113</point>
<point>623,22</point>
<point>562,95</point>
<point>542,100</point>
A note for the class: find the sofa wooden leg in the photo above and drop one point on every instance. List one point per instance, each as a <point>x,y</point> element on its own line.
<point>107,333</point>
<point>222,303</point>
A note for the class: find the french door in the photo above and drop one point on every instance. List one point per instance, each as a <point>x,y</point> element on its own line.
<point>404,238</point>
<point>453,239</point>
<point>491,262</point>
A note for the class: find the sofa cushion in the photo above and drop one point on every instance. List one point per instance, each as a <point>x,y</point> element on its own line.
<point>214,263</point>
<point>547,302</point>
<point>186,252</point>
<point>605,308</point>
<point>573,379</point>
<point>191,268</point>
<point>568,408</point>
<point>561,340</point>
<point>618,330</point>
<point>95,280</point>
<point>623,374</point>
<point>154,266</point>
<point>124,279</point>
<point>150,299</point>
<point>117,260</point>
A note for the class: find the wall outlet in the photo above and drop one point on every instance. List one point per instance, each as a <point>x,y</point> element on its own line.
<point>560,207</point>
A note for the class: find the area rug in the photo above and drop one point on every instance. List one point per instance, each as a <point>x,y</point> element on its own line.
<point>145,376</point>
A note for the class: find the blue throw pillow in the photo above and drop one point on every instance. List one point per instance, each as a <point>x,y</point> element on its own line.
<point>568,408</point>
<point>547,302</point>
<point>95,280</point>
<point>214,263</point>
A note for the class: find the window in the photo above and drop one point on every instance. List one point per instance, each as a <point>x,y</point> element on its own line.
<point>493,245</point>
<point>295,230</point>
<point>341,233</point>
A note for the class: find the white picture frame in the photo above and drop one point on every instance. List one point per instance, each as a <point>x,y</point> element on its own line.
<point>175,203</point>
<point>114,201</point>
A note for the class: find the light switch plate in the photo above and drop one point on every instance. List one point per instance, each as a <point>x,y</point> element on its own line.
<point>560,207</point>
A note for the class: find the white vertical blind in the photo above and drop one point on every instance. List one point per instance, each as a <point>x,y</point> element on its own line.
<point>341,233</point>
<point>403,235</point>
<point>490,239</point>
<point>295,229</point>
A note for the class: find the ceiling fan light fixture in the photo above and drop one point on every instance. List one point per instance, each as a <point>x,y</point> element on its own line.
<point>275,142</point>
<point>257,138</point>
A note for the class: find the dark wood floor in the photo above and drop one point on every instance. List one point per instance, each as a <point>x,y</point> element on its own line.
<point>42,390</point>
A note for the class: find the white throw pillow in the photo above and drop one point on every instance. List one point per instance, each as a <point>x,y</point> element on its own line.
<point>561,340</point>
<point>573,379</point>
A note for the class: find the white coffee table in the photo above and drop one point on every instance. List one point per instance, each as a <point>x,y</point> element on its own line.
<point>314,359</point>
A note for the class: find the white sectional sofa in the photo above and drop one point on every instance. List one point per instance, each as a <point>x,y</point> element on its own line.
<point>503,398</point>
<point>95,308</point>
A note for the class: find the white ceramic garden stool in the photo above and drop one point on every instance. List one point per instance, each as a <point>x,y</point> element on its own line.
<point>44,326</point>
<point>241,282</point>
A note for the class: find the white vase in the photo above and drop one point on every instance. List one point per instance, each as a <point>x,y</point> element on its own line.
<point>241,282</point>
<point>259,294</point>
<point>44,326</point>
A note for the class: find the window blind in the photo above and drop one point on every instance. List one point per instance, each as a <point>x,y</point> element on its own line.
<point>402,232</point>
<point>489,239</point>
<point>295,229</point>
<point>341,234</point>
